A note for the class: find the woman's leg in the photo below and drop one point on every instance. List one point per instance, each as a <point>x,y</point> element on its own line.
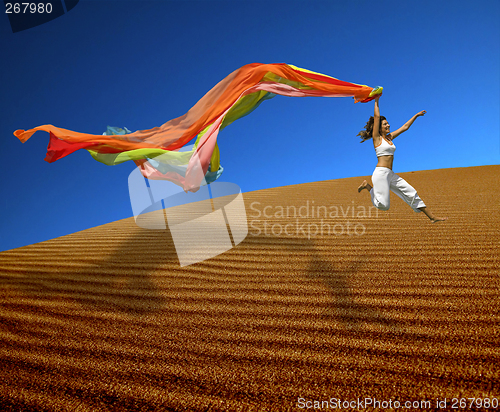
<point>406,192</point>
<point>380,192</point>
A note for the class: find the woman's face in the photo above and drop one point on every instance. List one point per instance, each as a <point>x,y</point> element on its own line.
<point>386,128</point>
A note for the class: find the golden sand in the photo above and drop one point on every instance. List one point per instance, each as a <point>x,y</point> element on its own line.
<point>397,309</point>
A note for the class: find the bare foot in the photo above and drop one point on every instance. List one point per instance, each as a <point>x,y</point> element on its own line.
<point>438,219</point>
<point>433,218</point>
<point>364,185</point>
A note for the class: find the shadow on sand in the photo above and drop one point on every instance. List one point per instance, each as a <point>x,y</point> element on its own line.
<point>123,281</point>
<point>120,283</point>
<point>336,276</point>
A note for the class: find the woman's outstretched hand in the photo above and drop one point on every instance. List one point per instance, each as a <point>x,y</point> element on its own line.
<point>421,113</point>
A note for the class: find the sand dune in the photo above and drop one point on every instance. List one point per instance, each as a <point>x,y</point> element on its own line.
<point>385,306</point>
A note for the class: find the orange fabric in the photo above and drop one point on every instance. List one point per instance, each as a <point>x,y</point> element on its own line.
<point>177,132</point>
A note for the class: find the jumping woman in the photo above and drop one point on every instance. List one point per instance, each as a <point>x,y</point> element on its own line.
<point>383,178</point>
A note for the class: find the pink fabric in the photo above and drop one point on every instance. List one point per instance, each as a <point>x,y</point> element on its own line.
<point>199,162</point>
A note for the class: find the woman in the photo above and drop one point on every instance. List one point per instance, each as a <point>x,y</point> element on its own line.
<point>383,178</point>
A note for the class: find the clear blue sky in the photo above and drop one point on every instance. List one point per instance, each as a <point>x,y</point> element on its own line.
<point>141,63</point>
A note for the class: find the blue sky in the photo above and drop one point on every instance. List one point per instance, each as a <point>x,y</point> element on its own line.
<point>141,63</point>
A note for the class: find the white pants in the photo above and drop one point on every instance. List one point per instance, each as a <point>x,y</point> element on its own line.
<point>385,180</point>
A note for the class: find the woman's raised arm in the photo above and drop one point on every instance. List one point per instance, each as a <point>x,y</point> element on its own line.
<point>407,125</point>
<point>376,119</point>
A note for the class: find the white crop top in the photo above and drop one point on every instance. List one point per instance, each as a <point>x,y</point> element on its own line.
<point>385,148</point>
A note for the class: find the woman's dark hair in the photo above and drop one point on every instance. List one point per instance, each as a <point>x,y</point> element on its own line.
<point>368,132</point>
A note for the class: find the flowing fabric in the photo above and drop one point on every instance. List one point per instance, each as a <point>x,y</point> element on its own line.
<point>156,151</point>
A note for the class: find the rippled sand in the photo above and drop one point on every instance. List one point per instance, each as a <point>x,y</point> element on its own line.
<point>386,307</point>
